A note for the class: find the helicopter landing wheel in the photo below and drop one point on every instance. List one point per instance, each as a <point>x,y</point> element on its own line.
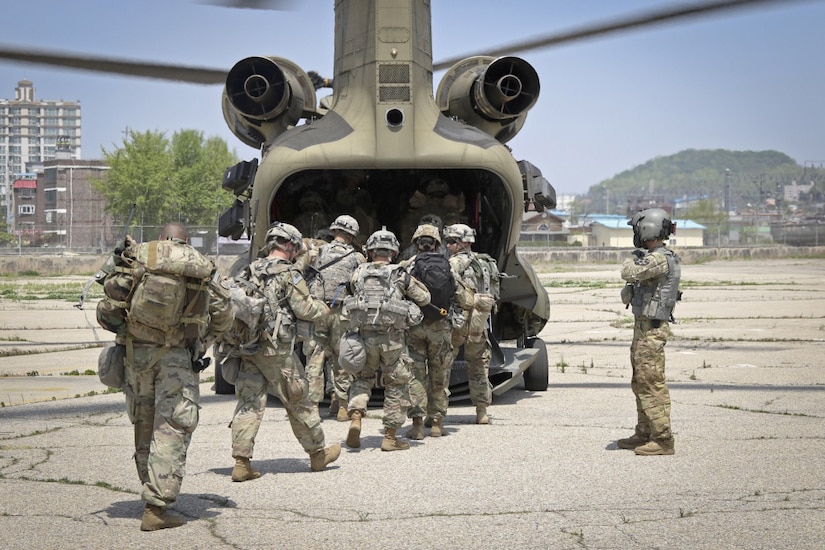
<point>536,376</point>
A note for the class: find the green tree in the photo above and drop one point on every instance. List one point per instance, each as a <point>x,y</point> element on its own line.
<point>177,179</point>
<point>705,212</point>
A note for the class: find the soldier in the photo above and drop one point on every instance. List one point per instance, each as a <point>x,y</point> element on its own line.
<point>331,271</point>
<point>429,343</point>
<point>274,366</point>
<point>164,340</point>
<point>314,339</point>
<point>652,290</point>
<point>313,215</point>
<point>436,199</point>
<point>381,310</point>
<point>473,334</point>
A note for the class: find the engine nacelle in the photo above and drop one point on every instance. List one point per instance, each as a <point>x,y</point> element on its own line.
<point>264,96</point>
<point>491,94</point>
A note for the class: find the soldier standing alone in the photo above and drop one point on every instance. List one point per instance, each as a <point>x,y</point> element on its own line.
<point>652,290</point>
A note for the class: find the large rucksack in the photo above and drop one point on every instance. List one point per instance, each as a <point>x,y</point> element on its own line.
<point>433,269</point>
<point>378,302</point>
<point>254,315</point>
<point>169,300</point>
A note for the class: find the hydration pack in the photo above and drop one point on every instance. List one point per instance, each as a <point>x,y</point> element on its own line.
<point>433,269</point>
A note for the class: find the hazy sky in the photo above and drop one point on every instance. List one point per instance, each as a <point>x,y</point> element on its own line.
<point>746,80</point>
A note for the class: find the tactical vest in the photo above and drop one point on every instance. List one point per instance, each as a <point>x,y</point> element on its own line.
<point>655,298</point>
<point>378,301</point>
<point>333,273</point>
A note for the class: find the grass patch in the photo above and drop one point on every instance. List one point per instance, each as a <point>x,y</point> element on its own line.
<point>46,290</point>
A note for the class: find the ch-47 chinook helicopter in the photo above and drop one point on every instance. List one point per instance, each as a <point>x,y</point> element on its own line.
<point>378,144</point>
<point>375,147</point>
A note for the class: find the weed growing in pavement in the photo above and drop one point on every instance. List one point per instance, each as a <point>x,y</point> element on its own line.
<point>561,365</point>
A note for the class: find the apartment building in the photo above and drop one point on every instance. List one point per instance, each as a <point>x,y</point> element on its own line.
<point>33,132</point>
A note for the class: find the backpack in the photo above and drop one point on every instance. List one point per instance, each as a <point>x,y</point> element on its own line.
<point>377,302</point>
<point>253,312</point>
<point>433,269</point>
<point>248,305</point>
<point>487,275</point>
<point>169,298</point>
<point>328,277</point>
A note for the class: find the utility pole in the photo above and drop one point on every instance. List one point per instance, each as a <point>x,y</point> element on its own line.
<point>727,193</point>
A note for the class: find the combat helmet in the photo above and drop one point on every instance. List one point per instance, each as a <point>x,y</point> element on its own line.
<point>460,232</point>
<point>347,224</point>
<point>311,201</point>
<point>427,230</point>
<point>437,188</point>
<point>280,232</point>
<point>383,239</point>
<point>431,219</point>
<point>651,224</point>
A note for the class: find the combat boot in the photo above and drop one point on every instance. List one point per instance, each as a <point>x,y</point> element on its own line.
<point>428,422</point>
<point>391,443</point>
<point>354,434</point>
<point>156,517</point>
<point>417,430</point>
<point>481,415</point>
<point>633,441</point>
<point>343,414</point>
<point>324,457</point>
<point>243,470</point>
<point>656,447</point>
<point>437,429</point>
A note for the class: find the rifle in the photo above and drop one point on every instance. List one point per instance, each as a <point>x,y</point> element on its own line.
<point>109,264</point>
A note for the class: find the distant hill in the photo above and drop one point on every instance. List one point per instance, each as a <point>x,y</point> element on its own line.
<point>753,176</point>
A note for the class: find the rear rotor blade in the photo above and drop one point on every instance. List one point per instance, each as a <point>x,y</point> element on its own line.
<point>162,71</point>
<point>638,20</point>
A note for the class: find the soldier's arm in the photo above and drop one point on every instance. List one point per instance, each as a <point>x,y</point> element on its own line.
<point>303,304</point>
<point>416,291</point>
<point>647,267</point>
<point>464,295</point>
<point>220,310</point>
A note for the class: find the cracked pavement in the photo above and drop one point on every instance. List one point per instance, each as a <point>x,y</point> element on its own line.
<point>745,370</point>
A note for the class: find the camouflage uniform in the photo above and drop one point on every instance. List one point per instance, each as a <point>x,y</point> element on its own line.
<point>162,393</point>
<point>649,273</point>
<point>477,351</point>
<point>275,367</point>
<point>330,285</point>
<point>430,347</point>
<point>315,340</point>
<point>387,350</point>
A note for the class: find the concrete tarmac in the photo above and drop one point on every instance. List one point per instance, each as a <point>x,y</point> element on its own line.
<point>745,371</point>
